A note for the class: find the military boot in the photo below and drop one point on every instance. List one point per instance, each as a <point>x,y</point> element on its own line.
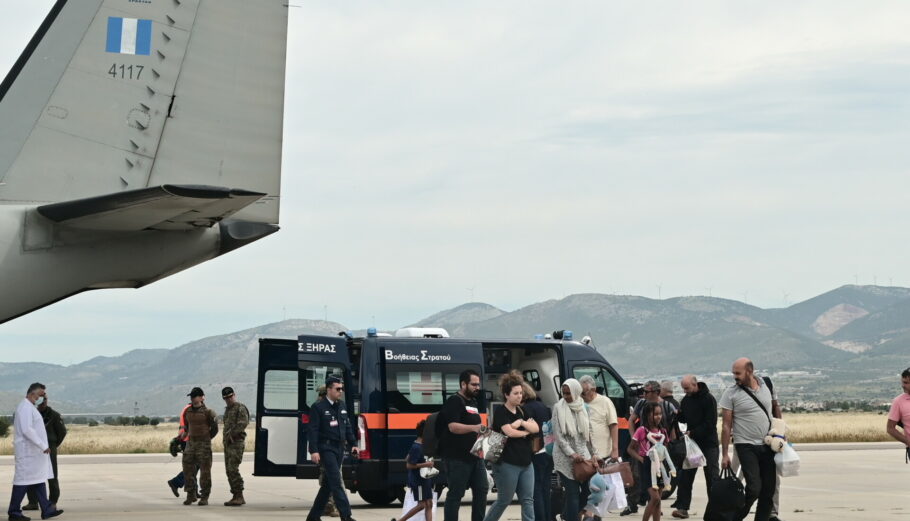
<point>235,501</point>
<point>203,501</point>
<point>190,497</point>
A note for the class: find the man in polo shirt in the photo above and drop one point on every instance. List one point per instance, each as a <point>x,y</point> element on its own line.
<point>746,409</point>
<point>900,412</point>
<point>459,423</point>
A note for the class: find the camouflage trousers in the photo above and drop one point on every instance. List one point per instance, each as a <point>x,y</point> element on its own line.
<point>198,454</point>
<point>233,455</point>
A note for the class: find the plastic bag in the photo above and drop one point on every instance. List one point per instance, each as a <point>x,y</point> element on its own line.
<point>787,461</point>
<point>549,436</point>
<point>409,503</point>
<point>694,456</point>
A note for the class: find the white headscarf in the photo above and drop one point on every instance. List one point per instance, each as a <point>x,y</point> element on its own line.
<point>573,417</point>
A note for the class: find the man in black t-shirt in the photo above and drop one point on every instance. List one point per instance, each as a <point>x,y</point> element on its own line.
<point>460,422</point>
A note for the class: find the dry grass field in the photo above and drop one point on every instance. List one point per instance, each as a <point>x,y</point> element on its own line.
<point>105,439</point>
<point>839,427</point>
<point>111,439</point>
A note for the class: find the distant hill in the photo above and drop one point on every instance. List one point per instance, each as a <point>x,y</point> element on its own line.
<point>824,315</point>
<point>671,336</point>
<point>639,336</point>
<point>159,379</point>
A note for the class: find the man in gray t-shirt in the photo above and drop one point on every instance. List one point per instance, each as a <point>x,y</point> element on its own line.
<point>746,407</point>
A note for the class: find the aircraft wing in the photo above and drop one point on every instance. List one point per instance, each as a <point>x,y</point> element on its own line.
<point>166,207</point>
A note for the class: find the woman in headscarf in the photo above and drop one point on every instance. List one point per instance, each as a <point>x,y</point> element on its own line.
<point>573,443</point>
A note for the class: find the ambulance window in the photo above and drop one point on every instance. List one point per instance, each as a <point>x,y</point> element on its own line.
<point>280,390</point>
<point>603,378</point>
<point>413,388</point>
<point>314,377</point>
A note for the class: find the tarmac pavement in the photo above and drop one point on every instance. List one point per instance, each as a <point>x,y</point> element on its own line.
<point>836,482</point>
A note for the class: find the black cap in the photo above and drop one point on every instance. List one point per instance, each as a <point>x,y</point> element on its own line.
<point>227,391</point>
<point>197,391</point>
<point>331,380</point>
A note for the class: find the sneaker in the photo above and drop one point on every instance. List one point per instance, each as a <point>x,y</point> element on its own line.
<point>681,514</point>
<point>174,489</point>
<point>632,509</point>
<point>18,517</point>
<point>30,506</point>
<point>55,513</point>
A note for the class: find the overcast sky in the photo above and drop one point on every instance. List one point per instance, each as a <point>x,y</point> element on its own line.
<point>519,151</point>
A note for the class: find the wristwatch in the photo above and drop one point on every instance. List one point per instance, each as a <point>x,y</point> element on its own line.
<point>483,429</point>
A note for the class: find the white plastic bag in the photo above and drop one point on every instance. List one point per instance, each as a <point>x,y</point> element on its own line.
<point>694,456</point>
<point>409,503</point>
<point>787,461</point>
<point>616,493</point>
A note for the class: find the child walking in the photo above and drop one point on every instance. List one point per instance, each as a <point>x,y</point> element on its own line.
<point>651,417</point>
<point>421,487</point>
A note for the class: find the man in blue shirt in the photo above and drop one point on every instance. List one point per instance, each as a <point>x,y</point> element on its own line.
<point>329,429</point>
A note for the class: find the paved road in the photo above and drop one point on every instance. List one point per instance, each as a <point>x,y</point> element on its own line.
<point>847,482</point>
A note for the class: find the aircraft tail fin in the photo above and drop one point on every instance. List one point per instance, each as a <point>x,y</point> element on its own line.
<point>114,96</point>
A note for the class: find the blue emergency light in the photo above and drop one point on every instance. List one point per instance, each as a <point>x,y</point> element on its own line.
<point>567,335</point>
<point>371,331</point>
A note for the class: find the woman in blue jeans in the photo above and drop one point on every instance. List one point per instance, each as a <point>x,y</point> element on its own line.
<point>513,472</point>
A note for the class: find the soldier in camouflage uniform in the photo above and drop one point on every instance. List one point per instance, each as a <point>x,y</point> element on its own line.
<point>202,426</point>
<point>236,418</point>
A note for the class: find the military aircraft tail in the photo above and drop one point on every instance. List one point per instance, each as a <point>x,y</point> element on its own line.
<point>138,138</point>
<point>119,95</point>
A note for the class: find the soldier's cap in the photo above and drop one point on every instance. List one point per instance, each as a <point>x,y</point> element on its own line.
<point>197,391</point>
<point>227,392</point>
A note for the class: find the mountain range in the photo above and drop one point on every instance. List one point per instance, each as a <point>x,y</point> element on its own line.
<point>848,343</point>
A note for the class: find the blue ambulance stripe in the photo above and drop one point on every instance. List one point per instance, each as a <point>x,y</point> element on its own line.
<point>114,32</point>
<point>143,37</point>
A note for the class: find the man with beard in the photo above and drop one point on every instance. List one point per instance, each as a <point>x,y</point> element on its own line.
<point>698,411</point>
<point>459,421</point>
<point>202,426</point>
<point>747,406</point>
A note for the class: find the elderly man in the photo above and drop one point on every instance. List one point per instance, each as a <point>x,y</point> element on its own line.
<point>698,411</point>
<point>33,460</point>
<point>746,409</point>
<point>602,414</point>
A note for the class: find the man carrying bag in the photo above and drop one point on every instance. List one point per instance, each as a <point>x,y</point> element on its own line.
<point>746,416</point>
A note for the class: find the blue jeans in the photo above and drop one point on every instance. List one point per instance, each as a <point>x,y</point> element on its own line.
<point>461,474</point>
<point>573,494</point>
<point>509,480</point>
<point>543,470</point>
<point>330,459</point>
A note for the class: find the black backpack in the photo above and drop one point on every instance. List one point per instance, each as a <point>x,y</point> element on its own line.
<point>431,436</point>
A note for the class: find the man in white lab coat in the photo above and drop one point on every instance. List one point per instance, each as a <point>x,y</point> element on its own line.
<point>33,460</point>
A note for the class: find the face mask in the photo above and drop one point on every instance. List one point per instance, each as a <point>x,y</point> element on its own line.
<point>39,401</point>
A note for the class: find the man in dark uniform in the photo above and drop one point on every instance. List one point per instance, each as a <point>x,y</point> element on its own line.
<point>329,429</point>
<point>56,431</point>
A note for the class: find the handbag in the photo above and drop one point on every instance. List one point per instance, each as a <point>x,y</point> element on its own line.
<point>583,470</point>
<point>727,493</point>
<point>488,447</point>
<point>677,451</point>
<point>624,469</point>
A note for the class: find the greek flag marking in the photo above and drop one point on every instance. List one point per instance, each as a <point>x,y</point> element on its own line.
<point>129,36</point>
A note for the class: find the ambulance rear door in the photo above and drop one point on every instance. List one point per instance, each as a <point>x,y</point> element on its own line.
<point>289,375</point>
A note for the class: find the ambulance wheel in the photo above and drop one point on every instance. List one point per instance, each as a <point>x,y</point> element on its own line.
<point>378,497</point>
